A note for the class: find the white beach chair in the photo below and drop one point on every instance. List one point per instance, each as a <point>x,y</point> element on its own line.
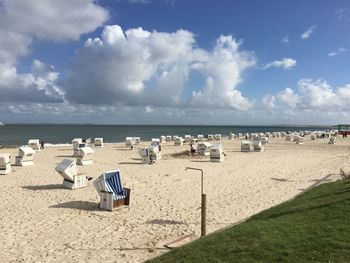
<point>179,141</point>
<point>332,140</point>
<point>203,148</point>
<point>110,189</point>
<point>34,144</point>
<point>69,171</point>
<point>264,140</point>
<point>169,138</point>
<point>98,142</point>
<point>245,146</point>
<point>75,144</point>
<point>258,146</point>
<point>163,139</point>
<point>288,137</point>
<point>232,136</point>
<point>210,137</point>
<point>200,137</point>
<point>299,140</point>
<point>188,138</point>
<point>137,140</point>
<point>25,156</point>
<point>216,153</point>
<point>85,156</point>
<point>155,141</point>
<point>5,163</point>
<point>130,141</point>
<point>150,154</point>
<point>217,137</point>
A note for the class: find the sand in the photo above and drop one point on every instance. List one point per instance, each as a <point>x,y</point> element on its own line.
<point>43,222</point>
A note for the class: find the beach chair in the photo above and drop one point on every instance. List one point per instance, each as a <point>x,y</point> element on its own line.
<point>203,148</point>
<point>155,141</point>
<point>216,153</point>
<point>264,140</point>
<point>217,137</point>
<point>258,146</point>
<point>299,140</point>
<point>25,156</point>
<point>71,178</point>
<point>98,142</point>
<point>5,163</point>
<point>332,140</point>
<point>179,141</point>
<point>200,137</point>
<point>85,156</point>
<point>162,139</point>
<point>130,142</point>
<point>210,137</point>
<point>245,146</point>
<point>188,138</point>
<point>112,194</point>
<point>34,144</point>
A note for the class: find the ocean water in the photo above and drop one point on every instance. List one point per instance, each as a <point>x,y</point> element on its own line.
<point>19,134</point>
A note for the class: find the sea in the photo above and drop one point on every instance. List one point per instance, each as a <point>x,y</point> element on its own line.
<point>19,134</point>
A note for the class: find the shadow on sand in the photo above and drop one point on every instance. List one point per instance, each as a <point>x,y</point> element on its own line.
<point>44,187</point>
<point>130,163</point>
<point>79,205</point>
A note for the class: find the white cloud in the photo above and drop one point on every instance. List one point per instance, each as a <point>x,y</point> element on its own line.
<point>223,71</point>
<point>21,23</point>
<point>315,95</point>
<point>337,52</point>
<point>285,39</point>
<point>288,97</point>
<point>286,63</point>
<point>141,68</point>
<point>308,32</point>
<point>50,19</point>
<point>40,85</point>
<point>269,101</point>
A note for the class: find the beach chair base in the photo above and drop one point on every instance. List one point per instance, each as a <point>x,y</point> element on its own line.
<point>107,202</point>
<point>84,162</point>
<point>259,149</point>
<point>19,162</point>
<point>245,150</point>
<point>5,170</point>
<point>79,182</point>
<point>217,159</point>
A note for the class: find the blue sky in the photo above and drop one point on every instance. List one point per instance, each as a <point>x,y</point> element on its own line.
<point>175,62</point>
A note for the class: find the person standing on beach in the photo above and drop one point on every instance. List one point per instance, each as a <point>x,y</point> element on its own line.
<point>42,144</point>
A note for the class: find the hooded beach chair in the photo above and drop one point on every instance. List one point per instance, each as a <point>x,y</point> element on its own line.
<point>5,163</point>
<point>110,189</point>
<point>34,144</point>
<point>98,142</point>
<point>69,171</point>
<point>25,156</point>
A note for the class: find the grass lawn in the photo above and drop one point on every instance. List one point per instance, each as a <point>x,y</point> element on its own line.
<point>313,227</point>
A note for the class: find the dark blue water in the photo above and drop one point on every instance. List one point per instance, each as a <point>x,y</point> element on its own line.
<point>18,134</point>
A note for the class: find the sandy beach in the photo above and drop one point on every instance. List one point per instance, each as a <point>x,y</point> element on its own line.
<point>43,222</point>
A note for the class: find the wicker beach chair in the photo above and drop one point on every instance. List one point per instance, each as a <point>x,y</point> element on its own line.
<point>71,178</point>
<point>111,192</point>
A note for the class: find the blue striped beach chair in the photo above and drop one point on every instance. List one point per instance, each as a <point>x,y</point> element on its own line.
<point>112,194</point>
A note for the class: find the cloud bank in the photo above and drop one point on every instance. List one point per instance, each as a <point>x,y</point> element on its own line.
<point>140,68</point>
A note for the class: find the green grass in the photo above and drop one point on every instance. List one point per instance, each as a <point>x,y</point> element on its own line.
<point>313,227</point>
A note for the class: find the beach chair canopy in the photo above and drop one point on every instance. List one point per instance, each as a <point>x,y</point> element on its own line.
<point>25,150</point>
<point>68,169</point>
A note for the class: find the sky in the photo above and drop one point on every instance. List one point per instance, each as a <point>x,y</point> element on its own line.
<point>209,62</point>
